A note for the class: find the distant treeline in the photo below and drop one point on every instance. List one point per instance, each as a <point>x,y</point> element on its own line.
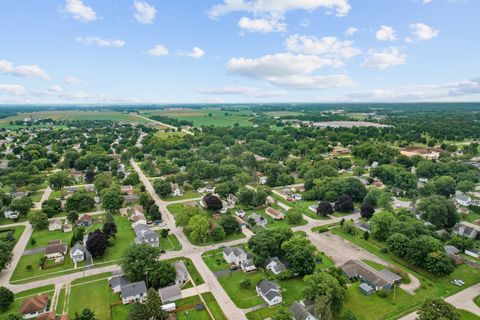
<point>172,121</point>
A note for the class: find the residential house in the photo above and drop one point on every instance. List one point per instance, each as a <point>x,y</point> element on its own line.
<point>130,198</point>
<point>77,253</point>
<point>11,214</point>
<point>475,253</point>
<point>137,216</point>
<point>89,188</point>
<point>231,201</point>
<point>259,220</point>
<point>270,292</point>
<point>463,200</point>
<point>464,230</point>
<point>300,312</point>
<point>54,225</point>
<point>34,306</point>
<point>128,189</point>
<point>170,294</point>
<point>451,250</point>
<point>274,213</point>
<point>365,273</point>
<point>67,227</point>
<point>248,265</point>
<point>56,249</point>
<point>241,214</point>
<point>234,256</point>
<point>182,272</point>
<point>133,292</point>
<point>143,235</point>
<point>117,282</point>
<point>76,175</point>
<point>297,196</point>
<point>18,194</point>
<point>366,289</point>
<point>176,191</point>
<point>275,265</point>
<point>85,221</point>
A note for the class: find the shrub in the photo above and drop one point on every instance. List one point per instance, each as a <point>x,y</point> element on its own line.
<point>33,241</point>
<point>381,293</point>
<point>245,284</point>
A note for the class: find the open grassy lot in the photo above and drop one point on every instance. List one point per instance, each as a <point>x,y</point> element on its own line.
<point>19,297</point>
<point>207,117</point>
<point>169,134</point>
<point>120,311</point>
<point>17,232</point>
<point>76,115</point>
<point>123,239</point>
<point>214,260</point>
<point>301,205</point>
<point>191,313</point>
<point>170,243</point>
<point>42,237</point>
<point>186,195</point>
<point>97,296</point>
<point>213,306</point>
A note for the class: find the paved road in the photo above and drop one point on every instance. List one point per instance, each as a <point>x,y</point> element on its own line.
<point>17,252</point>
<point>45,196</point>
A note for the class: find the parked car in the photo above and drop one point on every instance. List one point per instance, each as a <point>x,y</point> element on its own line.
<point>458,283</point>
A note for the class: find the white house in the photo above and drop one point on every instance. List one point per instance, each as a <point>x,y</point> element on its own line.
<point>117,282</point>
<point>176,191</point>
<point>11,214</point>
<point>143,235</point>
<point>473,253</point>
<point>77,253</point>
<point>275,265</point>
<point>464,230</point>
<point>54,225</point>
<point>259,220</point>
<point>270,292</point>
<point>56,249</point>
<point>234,256</point>
<point>463,200</point>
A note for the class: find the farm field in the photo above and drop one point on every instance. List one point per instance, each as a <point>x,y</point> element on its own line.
<point>75,115</point>
<point>207,117</point>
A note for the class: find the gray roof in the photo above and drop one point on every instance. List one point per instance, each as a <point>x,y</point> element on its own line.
<point>181,270</point>
<point>116,281</point>
<point>237,251</point>
<point>462,197</point>
<point>280,266</point>
<point>133,289</point>
<point>77,246</point>
<point>143,232</point>
<point>356,268</point>
<point>170,293</point>
<point>451,249</point>
<point>267,286</point>
<point>248,263</point>
<point>390,275</point>
<point>464,229</point>
<point>299,311</point>
<point>257,218</point>
<point>365,287</point>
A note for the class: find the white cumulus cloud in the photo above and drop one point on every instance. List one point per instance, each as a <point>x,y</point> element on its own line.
<point>101,42</point>
<point>278,7</point>
<point>72,81</point>
<point>384,59</point>
<point>80,11</point>
<point>423,32</point>
<point>351,31</point>
<point>326,46</point>
<point>289,70</point>
<point>158,51</point>
<point>27,71</point>
<point>13,89</point>
<point>195,53</point>
<point>261,25</point>
<point>386,33</point>
<point>144,12</point>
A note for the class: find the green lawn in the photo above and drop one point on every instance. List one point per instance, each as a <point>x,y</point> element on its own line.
<point>272,223</point>
<point>170,243</point>
<point>465,315</point>
<point>213,306</point>
<point>123,239</point>
<point>477,300</point>
<point>120,311</point>
<point>61,302</point>
<point>207,117</point>
<point>42,238</point>
<point>17,232</point>
<point>96,296</point>
<point>186,195</point>
<point>95,277</point>
<point>214,260</point>
<point>191,313</point>
<point>19,297</point>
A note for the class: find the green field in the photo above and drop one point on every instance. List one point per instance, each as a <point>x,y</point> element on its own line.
<point>170,243</point>
<point>96,296</point>
<point>191,313</point>
<point>213,306</point>
<point>207,117</point>
<point>75,115</point>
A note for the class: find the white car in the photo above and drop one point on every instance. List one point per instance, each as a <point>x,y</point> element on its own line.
<point>458,283</point>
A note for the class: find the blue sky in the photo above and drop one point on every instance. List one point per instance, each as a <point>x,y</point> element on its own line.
<point>165,51</point>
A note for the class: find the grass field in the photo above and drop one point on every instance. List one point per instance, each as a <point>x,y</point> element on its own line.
<point>186,195</point>
<point>97,296</point>
<point>170,243</point>
<point>213,306</point>
<point>76,115</point>
<point>282,113</point>
<point>207,117</point>
<point>191,313</point>
<point>17,232</point>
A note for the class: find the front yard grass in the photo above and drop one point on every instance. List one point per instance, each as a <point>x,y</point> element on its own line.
<point>213,306</point>
<point>191,313</point>
<point>17,232</point>
<point>120,311</point>
<point>97,296</point>
<point>214,260</point>
<point>170,243</point>
<point>186,195</point>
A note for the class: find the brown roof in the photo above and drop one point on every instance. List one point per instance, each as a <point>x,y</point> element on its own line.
<point>56,248</point>
<point>47,316</point>
<point>356,268</point>
<point>85,217</point>
<point>34,304</point>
